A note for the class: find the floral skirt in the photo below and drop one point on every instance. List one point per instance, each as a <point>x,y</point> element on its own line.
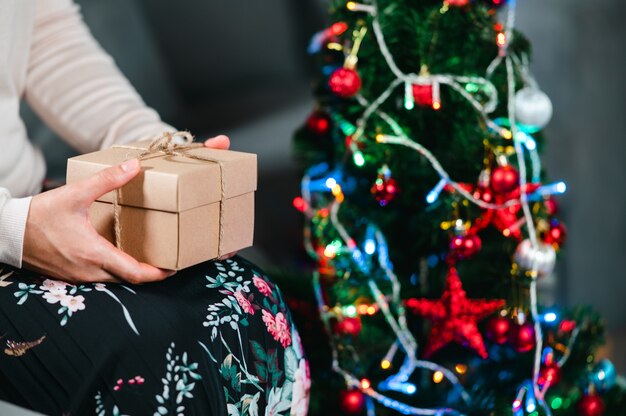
<point>214,339</point>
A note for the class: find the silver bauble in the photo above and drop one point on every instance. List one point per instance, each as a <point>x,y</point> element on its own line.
<point>533,107</point>
<point>542,258</point>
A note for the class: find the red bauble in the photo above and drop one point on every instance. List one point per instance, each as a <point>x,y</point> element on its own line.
<point>496,3</point>
<point>504,179</point>
<point>423,95</point>
<point>498,329</point>
<point>318,123</point>
<point>591,405</point>
<point>465,246</point>
<point>348,326</point>
<point>458,3</point>
<point>549,375</point>
<point>522,337</point>
<point>351,402</point>
<point>454,317</point>
<point>384,190</point>
<point>557,234</point>
<point>552,206</point>
<point>345,82</point>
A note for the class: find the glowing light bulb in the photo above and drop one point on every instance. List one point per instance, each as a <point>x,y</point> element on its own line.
<point>437,377</point>
<point>409,98</point>
<point>299,203</point>
<point>501,39</point>
<point>380,138</point>
<point>358,159</point>
<point>370,247</point>
<point>338,28</point>
<point>561,187</point>
<point>365,384</point>
<point>371,310</point>
<point>385,364</point>
<point>350,311</point>
<point>436,105</point>
<point>549,317</point>
<point>434,194</point>
<point>460,368</point>
<point>556,403</point>
<point>351,5</point>
<point>330,183</point>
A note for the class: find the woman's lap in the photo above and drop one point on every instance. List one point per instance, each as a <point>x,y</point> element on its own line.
<point>213,339</point>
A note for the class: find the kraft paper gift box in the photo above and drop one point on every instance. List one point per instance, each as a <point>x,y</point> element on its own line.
<point>178,211</point>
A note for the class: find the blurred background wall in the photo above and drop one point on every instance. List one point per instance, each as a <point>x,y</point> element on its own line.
<point>239,67</point>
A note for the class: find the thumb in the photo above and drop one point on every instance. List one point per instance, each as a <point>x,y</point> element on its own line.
<point>107,180</point>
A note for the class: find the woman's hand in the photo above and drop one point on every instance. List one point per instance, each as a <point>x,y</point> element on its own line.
<point>59,240</point>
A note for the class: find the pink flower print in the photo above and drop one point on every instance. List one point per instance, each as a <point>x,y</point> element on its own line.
<point>270,322</point>
<point>100,287</point>
<point>278,327</point>
<point>244,303</point>
<point>54,297</point>
<point>301,388</point>
<point>73,303</point>
<point>262,285</point>
<point>284,333</point>
<point>54,286</point>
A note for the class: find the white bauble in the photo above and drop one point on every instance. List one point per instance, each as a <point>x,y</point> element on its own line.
<point>542,258</point>
<point>533,107</point>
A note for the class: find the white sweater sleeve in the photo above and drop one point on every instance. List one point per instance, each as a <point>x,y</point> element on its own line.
<point>75,86</point>
<point>78,91</point>
<point>13,214</point>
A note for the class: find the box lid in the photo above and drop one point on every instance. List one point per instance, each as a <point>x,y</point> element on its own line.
<point>172,183</point>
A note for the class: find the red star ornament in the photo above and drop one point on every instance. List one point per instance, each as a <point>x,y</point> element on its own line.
<point>454,317</point>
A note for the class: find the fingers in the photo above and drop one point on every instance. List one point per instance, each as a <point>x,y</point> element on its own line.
<point>218,142</point>
<point>227,256</point>
<point>107,180</point>
<point>124,267</point>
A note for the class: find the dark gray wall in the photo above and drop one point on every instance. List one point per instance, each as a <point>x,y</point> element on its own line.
<point>580,53</point>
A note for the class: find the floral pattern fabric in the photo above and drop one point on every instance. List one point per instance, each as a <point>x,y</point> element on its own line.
<point>215,339</point>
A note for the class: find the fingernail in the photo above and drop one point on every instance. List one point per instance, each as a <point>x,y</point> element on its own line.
<point>130,165</point>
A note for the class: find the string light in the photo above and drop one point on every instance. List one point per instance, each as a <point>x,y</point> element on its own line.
<point>409,98</point>
<point>358,159</point>
<point>338,28</point>
<point>549,317</point>
<point>358,7</point>
<point>433,195</point>
<point>501,39</point>
<point>437,377</point>
<point>436,95</point>
<point>350,311</point>
<point>385,364</point>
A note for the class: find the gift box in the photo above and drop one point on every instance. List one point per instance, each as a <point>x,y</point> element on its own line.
<point>188,205</point>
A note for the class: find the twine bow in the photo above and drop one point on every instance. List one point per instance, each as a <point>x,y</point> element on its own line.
<point>165,145</point>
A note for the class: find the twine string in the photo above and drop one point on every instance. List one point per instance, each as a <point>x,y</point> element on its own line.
<point>165,145</point>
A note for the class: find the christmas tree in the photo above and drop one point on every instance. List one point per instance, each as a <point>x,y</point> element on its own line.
<point>431,222</point>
